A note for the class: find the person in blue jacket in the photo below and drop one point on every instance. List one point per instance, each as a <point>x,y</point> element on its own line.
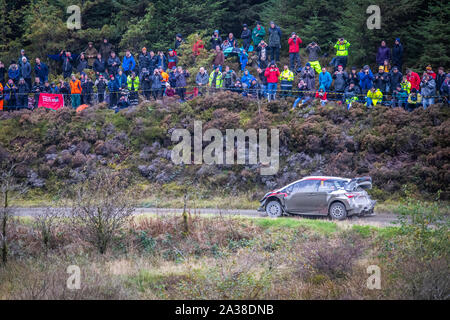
<point>121,79</point>
<point>128,64</point>
<point>365,79</point>
<point>113,88</point>
<point>243,59</point>
<point>161,60</point>
<point>14,72</point>
<point>325,79</point>
<point>246,79</point>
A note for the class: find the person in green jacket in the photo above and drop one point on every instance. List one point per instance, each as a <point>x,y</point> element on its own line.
<point>258,34</point>
<point>341,47</point>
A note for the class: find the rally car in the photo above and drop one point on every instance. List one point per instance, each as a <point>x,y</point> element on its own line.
<point>335,197</point>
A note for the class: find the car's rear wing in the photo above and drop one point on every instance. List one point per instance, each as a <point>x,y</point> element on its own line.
<point>363,182</point>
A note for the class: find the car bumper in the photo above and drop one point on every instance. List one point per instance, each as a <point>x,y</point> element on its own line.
<point>364,208</point>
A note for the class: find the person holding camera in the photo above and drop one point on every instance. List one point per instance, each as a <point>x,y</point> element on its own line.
<point>341,47</point>
<point>313,51</point>
<point>428,90</point>
<point>294,51</point>
<point>365,79</point>
<point>274,41</point>
<point>272,74</point>
<point>157,84</point>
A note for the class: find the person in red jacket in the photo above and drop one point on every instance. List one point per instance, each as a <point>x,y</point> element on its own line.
<point>430,72</point>
<point>413,78</point>
<point>322,96</point>
<point>272,74</point>
<point>294,51</point>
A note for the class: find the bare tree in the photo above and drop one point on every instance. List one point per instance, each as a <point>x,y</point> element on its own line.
<point>102,205</point>
<point>46,222</point>
<point>9,188</point>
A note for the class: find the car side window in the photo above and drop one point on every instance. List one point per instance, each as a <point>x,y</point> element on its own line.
<point>327,186</point>
<point>305,186</point>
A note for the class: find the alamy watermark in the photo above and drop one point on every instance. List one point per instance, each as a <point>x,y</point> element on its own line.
<point>374,281</point>
<point>255,152</point>
<point>74,21</point>
<point>374,21</point>
<point>74,280</point>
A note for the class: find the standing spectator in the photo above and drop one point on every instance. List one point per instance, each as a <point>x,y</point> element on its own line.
<point>308,76</point>
<point>37,89</point>
<point>430,72</point>
<point>440,78</point>
<point>88,90</point>
<point>246,37</point>
<point>172,59</point>
<point>286,81</point>
<point>406,85</point>
<point>161,60</point>
<point>2,73</point>
<point>157,83</point>
<point>101,85</point>
<point>258,34</point>
<point>22,94</point>
<point>219,59</point>
<point>178,41</point>
<point>146,83</point>
<point>374,96</point>
<point>20,60</point>
<point>67,60</point>
<point>215,79</point>
<point>164,80</point>
<point>381,80</point>
<point>340,83</point>
<point>41,70</point>
<point>180,76</point>
<point>294,51</point>
<point>414,79</point>
<point>365,79</point>
<point>25,71</point>
<point>10,94</point>
<point>395,78</point>
<point>82,63</point>
<point>113,89</point>
<point>262,81</point>
<point>341,47</point>
<point>313,51</point>
<point>325,79</point>
<point>215,40</point>
<point>121,79</point>
<point>445,90</point>
<point>75,91</point>
<point>113,64</point>
<point>263,55</point>
<point>383,53</point>
<point>397,54</point>
<point>272,74</point>
<point>144,60</point>
<point>353,76</point>
<point>202,80</point>
<point>106,48</point>
<point>91,54</point>
<point>243,59</point>
<point>274,41</point>
<point>152,62</point>
<point>99,66</point>
<point>128,63</point>
<point>232,40</point>
<point>414,100</point>
<point>428,90</point>
<point>133,88</point>
<point>14,72</point>
<point>229,78</point>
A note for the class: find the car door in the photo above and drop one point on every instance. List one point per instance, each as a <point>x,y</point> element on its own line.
<point>300,199</point>
<point>319,202</point>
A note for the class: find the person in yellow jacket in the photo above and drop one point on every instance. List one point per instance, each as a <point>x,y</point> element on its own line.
<point>215,79</point>
<point>286,81</point>
<point>406,85</point>
<point>374,96</point>
<point>341,47</point>
<point>414,100</point>
<point>133,88</point>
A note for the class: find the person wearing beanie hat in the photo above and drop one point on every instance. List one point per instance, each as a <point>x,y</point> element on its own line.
<point>91,54</point>
<point>341,47</point>
<point>144,60</point>
<point>274,41</point>
<point>178,41</point>
<point>381,80</point>
<point>308,75</point>
<point>383,53</point>
<point>397,54</point>
<point>395,78</point>
<point>294,51</point>
<point>246,37</point>
<point>414,100</point>
<point>216,40</point>
<point>22,93</point>
<point>258,34</point>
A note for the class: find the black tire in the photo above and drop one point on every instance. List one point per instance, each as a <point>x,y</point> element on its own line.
<point>274,209</point>
<point>337,211</point>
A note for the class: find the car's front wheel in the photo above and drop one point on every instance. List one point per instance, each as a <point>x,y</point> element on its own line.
<point>338,211</point>
<point>273,209</point>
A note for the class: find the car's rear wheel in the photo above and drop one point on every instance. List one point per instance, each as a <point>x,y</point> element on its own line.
<point>338,211</point>
<point>273,209</point>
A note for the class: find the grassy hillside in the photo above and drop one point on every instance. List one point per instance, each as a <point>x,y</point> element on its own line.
<point>403,152</point>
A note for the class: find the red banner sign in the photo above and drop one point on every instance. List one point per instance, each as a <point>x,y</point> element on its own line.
<point>51,101</point>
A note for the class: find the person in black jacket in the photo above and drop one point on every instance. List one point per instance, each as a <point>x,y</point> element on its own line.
<point>246,37</point>
<point>99,66</point>
<point>381,80</point>
<point>178,41</point>
<point>215,40</point>
<point>440,78</point>
<point>113,64</point>
<point>37,89</point>
<point>82,63</point>
<point>353,76</point>
<point>101,88</point>
<point>397,54</point>
<point>2,73</point>
<point>88,90</point>
<point>395,78</point>
<point>22,94</point>
<point>67,60</point>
